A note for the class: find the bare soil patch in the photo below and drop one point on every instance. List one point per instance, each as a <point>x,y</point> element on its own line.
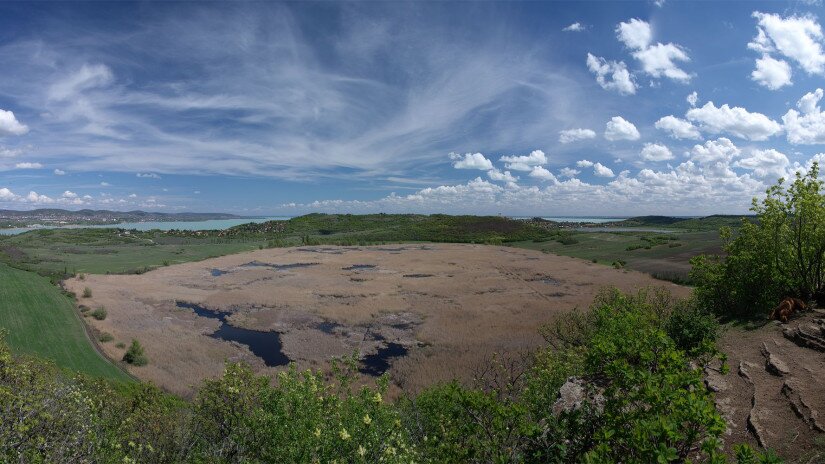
<point>774,395</point>
<point>423,313</point>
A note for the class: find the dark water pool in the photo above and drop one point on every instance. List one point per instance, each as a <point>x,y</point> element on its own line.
<point>359,267</point>
<point>278,267</point>
<point>218,272</point>
<point>265,345</point>
<point>379,362</point>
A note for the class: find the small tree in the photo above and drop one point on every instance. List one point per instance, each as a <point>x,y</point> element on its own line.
<point>782,254</point>
<point>135,355</point>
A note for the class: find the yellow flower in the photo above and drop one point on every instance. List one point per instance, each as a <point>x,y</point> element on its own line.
<point>367,419</point>
<point>361,451</point>
<point>344,434</point>
<point>317,433</point>
<point>376,397</point>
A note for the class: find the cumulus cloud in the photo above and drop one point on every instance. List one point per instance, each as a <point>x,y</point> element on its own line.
<point>59,172</point>
<point>584,163</point>
<point>658,60</point>
<point>575,27</point>
<point>619,128</point>
<point>34,197</point>
<point>678,128</point>
<point>772,73</point>
<point>505,176</point>
<point>148,175</point>
<point>573,135</point>
<point>9,125</point>
<point>806,126</point>
<point>471,161</point>
<point>611,75</point>
<point>600,170</point>
<point>569,172</point>
<point>28,165</point>
<point>69,194</point>
<point>541,173</point>
<point>7,195</point>
<point>635,34</point>
<point>770,164</point>
<point>105,184</point>
<point>525,162</point>
<point>798,38</point>
<point>656,152</point>
<point>692,99</point>
<point>715,157</point>
<point>735,121</point>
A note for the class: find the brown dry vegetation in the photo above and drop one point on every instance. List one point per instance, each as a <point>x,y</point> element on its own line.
<point>451,305</point>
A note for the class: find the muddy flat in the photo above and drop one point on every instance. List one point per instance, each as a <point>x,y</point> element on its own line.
<point>422,313</point>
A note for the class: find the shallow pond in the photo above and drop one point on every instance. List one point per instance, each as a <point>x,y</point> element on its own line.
<point>265,345</point>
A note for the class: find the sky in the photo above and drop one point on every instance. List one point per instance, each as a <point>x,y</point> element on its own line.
<point>535,108</point>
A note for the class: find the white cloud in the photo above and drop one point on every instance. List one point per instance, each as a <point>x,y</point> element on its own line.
<point>59,172</point>
<point>133,195</point>
<point>34,197</point>
<point>735,121</point>
<point>692,99</point>
<point>575,27</point>
<point>69,194</point>
<point>573,135</point>
<point>769,164</point>
<point>806,126</point>
<point>524,162</point>
<point>7,195</point>
<point>635,34</point>
<point>9,152</point>
<point>9,125</point>
<point>584,163</point>
<point>600,170</point>
<point>496,174</point>
<point>148,175</point>
<point>569,172</point>
<point>87,77</point>
<point>715,157</point>
<point>657,60</point>
<point>471,161</point>
<point>619,128</point>
<point>611,75</point>
<point>798,38</point>
<point>105,184</point>
<point>771,73</point>
<point>656,152</point>
<point>28,165</point>
<point>541,173</point>
<point>678,128</point>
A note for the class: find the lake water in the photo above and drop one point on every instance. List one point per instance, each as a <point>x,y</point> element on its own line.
<point>212,224</point>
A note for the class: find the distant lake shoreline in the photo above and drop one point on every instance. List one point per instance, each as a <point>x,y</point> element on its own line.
<point>209,224</point>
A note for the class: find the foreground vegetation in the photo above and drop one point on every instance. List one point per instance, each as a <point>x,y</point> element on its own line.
<point>593,395</point>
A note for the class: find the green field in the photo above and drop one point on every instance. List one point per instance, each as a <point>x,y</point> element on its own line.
<point>38,319</point>
<point>664,256</point>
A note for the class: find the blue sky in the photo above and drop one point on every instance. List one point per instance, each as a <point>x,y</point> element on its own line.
<point>573,108</point>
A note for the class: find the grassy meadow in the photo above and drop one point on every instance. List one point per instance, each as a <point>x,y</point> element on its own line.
<point>40,320</point>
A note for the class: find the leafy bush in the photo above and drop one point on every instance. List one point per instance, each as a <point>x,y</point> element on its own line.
<point>135,355</point>
<point>87,292</point>
<point>782,254</point>
<point>106,337</point>
<point>100,313</point>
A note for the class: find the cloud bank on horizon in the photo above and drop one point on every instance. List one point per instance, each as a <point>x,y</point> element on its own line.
<point>521,109</point>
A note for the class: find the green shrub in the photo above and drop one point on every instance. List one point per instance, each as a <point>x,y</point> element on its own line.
<point>135,355</point>
<point>105,337</point>
<point>87,292</point>
<point>120,345</point>
<point>567,240</point>
<point>100,313</point>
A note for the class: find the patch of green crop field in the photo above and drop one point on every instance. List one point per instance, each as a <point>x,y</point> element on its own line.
<point>38,319</point>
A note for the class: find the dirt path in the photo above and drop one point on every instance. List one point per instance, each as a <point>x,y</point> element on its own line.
<point>440,309</point>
